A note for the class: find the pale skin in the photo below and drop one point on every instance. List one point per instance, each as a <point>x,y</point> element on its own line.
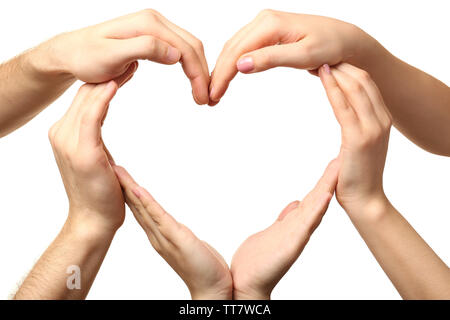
<point>419,103</point>
<point>96,54</point>
<point>268,254</point>
<point>418,106</point>
<point>204,271</point>
<point>96,205</point>
<point>412,266</point>
<point>264,258</point>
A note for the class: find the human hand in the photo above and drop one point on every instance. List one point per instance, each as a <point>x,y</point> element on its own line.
<point>95,197</point>
<point>285,39</point>
<point>263,259</point>
<point>105,51</point>
<point>204,271</point>
<point>365,122</point>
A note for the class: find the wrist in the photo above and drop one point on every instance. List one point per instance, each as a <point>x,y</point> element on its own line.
<point>247,295</point>
<point>46,62</point>
<point>86,225</point>
<point>373,208</point>
<point>368,53</point>
<point>212,295</point>
<point>209,296</point>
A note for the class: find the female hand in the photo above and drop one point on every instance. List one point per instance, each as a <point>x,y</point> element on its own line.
<point>204,271</point>
<point>263,259</point>
<point>95,196</point>
<point>285,39</point>
<point>366,123</point>
<point>105,51</point>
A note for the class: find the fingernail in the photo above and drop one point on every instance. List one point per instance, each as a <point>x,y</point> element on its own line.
<point>136,192</point>
<point>245,64</point>
<point>195,99</point>
<point>110,84</point>
<point>173,55</point>
<point>326,68</point>
<point>291,206</point>
<point>212,92</point>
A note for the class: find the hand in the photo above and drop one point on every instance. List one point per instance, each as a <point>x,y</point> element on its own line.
<point>264,258</point>
<point>103,52</point>
<point>366,123</point>
<point>204,271</point>
<point>95,197</point>
<point>277,38</point>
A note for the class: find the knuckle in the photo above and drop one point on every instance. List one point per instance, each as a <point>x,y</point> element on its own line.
<point>52,133</point>
<point>388,123</point>
<point>364,76</point>
<point>355,88</point>
<point>265,59</point>
<point>84,89</point>
<point>270,18</point>
<point>151,44</point>
<point>149,15</point>
<point>198,45</point>
<point>307,51</point>
<point>266,13</point>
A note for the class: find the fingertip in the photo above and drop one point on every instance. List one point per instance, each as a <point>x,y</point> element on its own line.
<point>212,103</point>
<point>324,71</point>
<point>245,64</point>
<point>212,96</point>
<point>200,93</point>
<point>290,207</point>
<point>112,87</point>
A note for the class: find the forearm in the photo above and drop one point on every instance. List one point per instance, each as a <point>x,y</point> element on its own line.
<point>419,103</point>
<point>29,83</point>
<point>53,277</point>
<point>412,266</point>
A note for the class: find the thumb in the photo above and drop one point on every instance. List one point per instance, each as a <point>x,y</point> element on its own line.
<point>147,48</point>
<point>318,199</point>
<point>294,55</point>
<point>94,111</point>
<point>291,206</point>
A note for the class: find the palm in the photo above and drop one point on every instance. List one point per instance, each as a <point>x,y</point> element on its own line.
<point>204,264</point>
<point>263,259</point>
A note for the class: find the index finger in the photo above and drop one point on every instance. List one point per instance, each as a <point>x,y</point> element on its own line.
<point>148,22</point>
<point>253,36</point>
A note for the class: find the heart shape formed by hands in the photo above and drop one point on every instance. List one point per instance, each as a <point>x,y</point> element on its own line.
<point>95,183</point>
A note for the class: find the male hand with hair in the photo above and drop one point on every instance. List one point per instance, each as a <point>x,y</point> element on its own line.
<point>96,205</point>
<point>96,54</point>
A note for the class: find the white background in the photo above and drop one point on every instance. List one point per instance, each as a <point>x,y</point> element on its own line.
<point>227,171</point>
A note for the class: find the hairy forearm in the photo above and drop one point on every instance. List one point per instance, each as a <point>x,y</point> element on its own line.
<point>55,277</point>
<point>28,84</point>
<point>412,266</point>
<point>418,102</point>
